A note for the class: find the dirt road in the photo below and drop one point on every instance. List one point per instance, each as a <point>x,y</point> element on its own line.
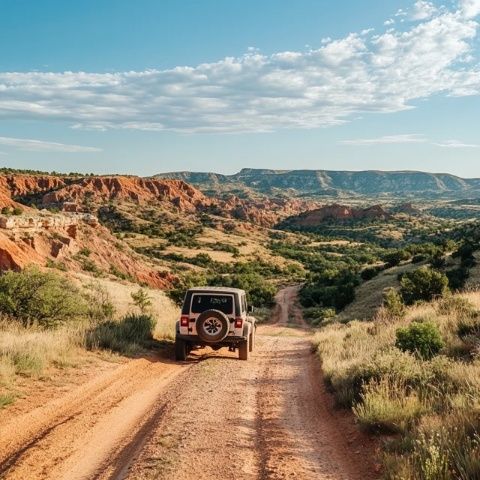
<point>213,417</point>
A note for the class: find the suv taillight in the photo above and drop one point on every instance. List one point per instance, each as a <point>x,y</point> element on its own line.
<point>238,322</point>
<point>184,321</point>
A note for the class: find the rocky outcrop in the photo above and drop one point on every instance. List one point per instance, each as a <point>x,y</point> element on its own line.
<point>17,186</point>
<point>59,239</point>
<point>266,212</point>
<point>407,208</point>
<point>23,185</point>
<point>338,213</point>
<point>132,189</point>
<point>46,221</point>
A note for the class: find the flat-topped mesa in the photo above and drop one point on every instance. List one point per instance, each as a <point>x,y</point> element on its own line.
<point>134,189</point>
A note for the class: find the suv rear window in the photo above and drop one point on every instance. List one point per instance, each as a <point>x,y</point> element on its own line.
<point>224,303</point>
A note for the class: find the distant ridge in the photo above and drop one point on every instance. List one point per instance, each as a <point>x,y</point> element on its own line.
<point>335,183</point>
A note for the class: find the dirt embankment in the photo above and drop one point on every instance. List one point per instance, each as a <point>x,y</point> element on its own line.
<point>213,417</point>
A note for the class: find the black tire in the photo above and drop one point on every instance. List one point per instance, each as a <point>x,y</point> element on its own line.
<point>212,326</point>
<point>244,349</point>
<point>181,350</point>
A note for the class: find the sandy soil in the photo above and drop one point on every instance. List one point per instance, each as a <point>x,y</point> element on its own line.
<point>212,417</point>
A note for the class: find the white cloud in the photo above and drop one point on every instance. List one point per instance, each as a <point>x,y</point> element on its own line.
<point>41,146</point>
<point>389,22</point>
<point>423,10</point>
<point>375,73</point>
<point>470,8</point>
<point>406,138</point>
<point>387,140</point>
<point>456,144</point>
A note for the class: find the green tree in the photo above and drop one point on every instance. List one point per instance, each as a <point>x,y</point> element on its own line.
<point>142,300</point>
<point>423,284</point>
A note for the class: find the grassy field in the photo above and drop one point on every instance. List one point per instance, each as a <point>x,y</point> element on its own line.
<point>426,409</point>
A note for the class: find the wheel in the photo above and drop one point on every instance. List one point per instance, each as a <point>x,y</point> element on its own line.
<point>252,341</point>
<point>244,349</point>
<point>181,350</point>
<point>212,326</point>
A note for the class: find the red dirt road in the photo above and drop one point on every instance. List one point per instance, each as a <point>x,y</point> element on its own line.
<point>213,417</point>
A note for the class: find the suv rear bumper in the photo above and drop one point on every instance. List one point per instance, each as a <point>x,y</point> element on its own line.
<point>196,340</point>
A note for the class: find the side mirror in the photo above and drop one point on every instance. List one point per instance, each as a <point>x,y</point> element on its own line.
<point>251,309</point>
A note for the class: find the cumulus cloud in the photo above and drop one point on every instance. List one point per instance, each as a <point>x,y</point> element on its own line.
<point>42,146</point>
<point>362,72</point>
<point>423,10</point>
<point>470,8</point>
<point>387,140</point>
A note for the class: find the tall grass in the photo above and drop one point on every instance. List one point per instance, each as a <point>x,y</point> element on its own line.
<point>431,407</point>
<point>29,351</point>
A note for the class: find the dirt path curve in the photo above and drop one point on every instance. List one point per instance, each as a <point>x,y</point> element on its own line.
<point>213,417</point>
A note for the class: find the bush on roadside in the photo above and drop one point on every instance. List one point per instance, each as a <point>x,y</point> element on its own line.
<point>318,315</point>
<point>127,335</point>
<point>388,406</point>
<point>420,338</point>
<point>33,297</point>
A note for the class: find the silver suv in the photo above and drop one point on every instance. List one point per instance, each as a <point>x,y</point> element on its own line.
<point>216,317</point>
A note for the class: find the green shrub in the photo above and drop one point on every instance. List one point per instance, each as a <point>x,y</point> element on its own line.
<point>85,251</point>
<point>395,257</point>
<point>369,273</point>
<point>42,298</point>
<point>420,338</point>
<point>423,284</point>
<point>125,336</point>
<point>393,303</point>
<point>17,211</point>
<point>318,315</point>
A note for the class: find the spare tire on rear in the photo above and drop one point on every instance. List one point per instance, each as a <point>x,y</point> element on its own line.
<point>212,326</point>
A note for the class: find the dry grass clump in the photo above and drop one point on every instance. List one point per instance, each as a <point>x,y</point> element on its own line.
<point>28,351</point>
<point>429,407</point>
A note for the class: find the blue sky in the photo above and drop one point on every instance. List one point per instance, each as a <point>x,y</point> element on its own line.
<point>147,86</point>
